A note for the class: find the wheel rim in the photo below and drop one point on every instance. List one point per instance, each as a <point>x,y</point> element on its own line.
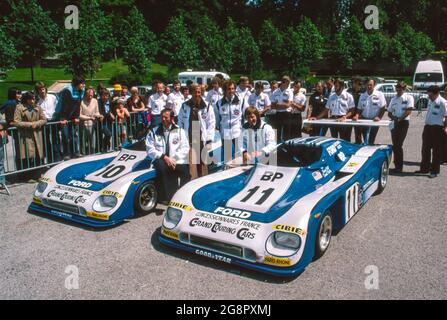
<point>148,197</point>
<point>384,175</point>
<point>325,233</point>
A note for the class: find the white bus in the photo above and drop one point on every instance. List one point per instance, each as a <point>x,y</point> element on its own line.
<point>199,77</point>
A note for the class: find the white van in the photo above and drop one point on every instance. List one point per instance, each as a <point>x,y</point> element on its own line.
<point>199,77</point>
<point>428,73</point>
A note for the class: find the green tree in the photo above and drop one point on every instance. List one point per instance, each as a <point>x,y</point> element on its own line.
<point>32,29</point>
<point>304,45</point>
<point>84,47</point>
<point>246,54</point>
<point>271,42</point>
<point>8,53</point>
<point>141,47</point>
<point>178,46</point>
<point>409,45</point>
<point>215,51</point>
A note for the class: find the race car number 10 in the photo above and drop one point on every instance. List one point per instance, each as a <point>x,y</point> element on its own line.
<point>111,171</point>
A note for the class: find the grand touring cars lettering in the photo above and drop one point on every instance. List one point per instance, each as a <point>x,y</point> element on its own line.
<point>241,234</point>
<point>66,196</point>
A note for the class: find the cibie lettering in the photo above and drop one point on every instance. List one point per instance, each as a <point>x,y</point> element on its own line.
<point>80,184</point>
<point>233,213</point>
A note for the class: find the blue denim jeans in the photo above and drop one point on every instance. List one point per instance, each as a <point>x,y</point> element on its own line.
<point>70,140</point>
<point>2,165</point>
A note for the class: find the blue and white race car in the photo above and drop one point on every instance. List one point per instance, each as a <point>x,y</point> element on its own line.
<point>277,219</point>
<point>102,190</point>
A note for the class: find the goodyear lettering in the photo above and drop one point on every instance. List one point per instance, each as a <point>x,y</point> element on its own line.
<point>111,193</point>
<point>213,256</point>
<point>282,262</point>
<point>98,216</point>
<point>290,229</point>
<point>233,212</point>
<point>245,233</point>
<point>170,234</point>
<point>80,184</point>
<point>180,206</point>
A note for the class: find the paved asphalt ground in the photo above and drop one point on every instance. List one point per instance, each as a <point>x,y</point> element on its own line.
<point>401,232</point>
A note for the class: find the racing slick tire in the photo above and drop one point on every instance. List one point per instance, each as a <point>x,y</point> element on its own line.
<point>383,177</point>
<point>146,198</point>
<point>324,235</point>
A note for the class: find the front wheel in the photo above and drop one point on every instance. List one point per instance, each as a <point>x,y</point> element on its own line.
<point>324,235</point>
<point>383,177</point>
<point>146,198</point>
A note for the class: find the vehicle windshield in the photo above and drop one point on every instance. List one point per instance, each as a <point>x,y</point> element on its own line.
<point>428,77</point>
<point>292,154</point>
<point>137,146</point>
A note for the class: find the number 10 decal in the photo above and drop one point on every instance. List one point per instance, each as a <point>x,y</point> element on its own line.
<point>352,203</point>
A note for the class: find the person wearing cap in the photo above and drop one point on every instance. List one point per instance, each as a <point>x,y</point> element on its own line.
<point>399,112</point>
<point>157,102</point>
<point>298,105</point>
<point>434,133</point>
<point>281,109</point>
<point>259,99</point>
<point>340,106</point>
<point>372,106</point>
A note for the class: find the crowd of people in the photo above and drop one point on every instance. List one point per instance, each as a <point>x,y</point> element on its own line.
<point>82,121</point>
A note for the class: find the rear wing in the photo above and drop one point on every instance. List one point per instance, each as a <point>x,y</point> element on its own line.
<point>348,123</point>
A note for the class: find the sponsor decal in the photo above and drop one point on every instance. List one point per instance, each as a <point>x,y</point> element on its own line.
<point>80,184</point>
<point>245,233</point>
<point>317,215</point>
<point>99,216</point>
<point>37,200</point>
<point>233,212</point>
<point>170,234</point>
<point>175,141</point>
<point>111,193</point>
<point>341,156</point>
<point>74,190</point>
<point>243,223</point>
<point>44,179</point>
<point>282,262</point>
<point>62,214</point>
<point>213,256</point>
<point>317,175</point>
<point>352,164</point>
<point>179,205</point>
<point>290,229</point>
<point>66,196</point>
<point>218,227</point>
<point>326,171</point>
<point>127,157</point>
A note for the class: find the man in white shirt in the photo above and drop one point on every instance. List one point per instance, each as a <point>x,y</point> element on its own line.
<point>157,102</point>
<point>399,112</point>
<point>215,94</point>
<point>259,99</point>
<point>298,105</point>
<point>434,133</point>
<point>281,109</point>
<point>51,140</point>
<point>175,98</point>
<point>340,106</point>
<point>372,106</point>
<point>167,145</point>
<point>243,91</point>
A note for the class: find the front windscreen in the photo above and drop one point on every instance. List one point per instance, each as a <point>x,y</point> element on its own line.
<point>428,77</point>
<point>291,154</point>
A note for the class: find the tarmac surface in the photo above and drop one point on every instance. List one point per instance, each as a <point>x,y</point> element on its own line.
<point>399,236</point>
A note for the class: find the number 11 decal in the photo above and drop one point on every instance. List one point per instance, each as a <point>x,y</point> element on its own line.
<point>266,194</point>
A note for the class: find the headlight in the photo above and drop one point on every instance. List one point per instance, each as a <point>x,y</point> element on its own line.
<point>287,240</point>
<point>105,203</point>
<point>41,186</point>
<point>172,218</point>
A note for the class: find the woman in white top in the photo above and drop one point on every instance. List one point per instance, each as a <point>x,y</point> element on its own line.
<point>88,116</point>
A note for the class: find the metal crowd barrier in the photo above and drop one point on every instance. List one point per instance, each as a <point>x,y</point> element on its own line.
<point>72,140</point>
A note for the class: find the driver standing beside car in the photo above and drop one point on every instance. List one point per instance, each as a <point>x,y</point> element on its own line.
<point>167,145</point>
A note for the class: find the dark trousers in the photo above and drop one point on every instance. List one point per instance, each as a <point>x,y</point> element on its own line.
<point>105,135</point>
<point>155,120</point>
<point>281,123</point>
<point>432,139</point>
<point>52,143</point>
<point>444,158</point>
<point>296,124</point>
<point>228,150</point>
<point>366,134</point>
<point>318,131</point>
<point>70,140</point>
<point>169,178</point>
<point>398,135</point>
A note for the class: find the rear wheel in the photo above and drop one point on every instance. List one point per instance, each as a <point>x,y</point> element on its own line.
<point>324,235</point>
<point>383,177</point>
<point>146,198</point>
